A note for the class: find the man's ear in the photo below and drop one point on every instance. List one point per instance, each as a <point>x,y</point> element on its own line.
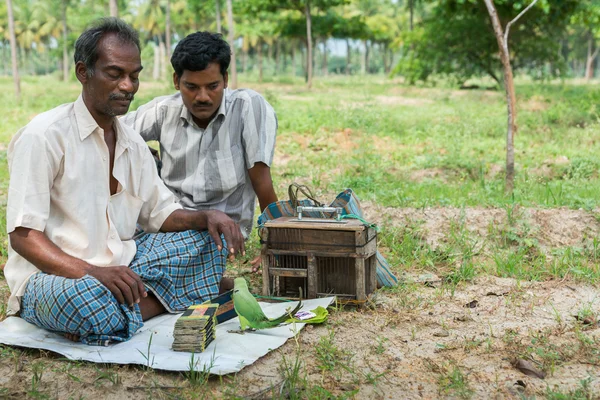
<point>225,78</point>
<point>81,72</point>
<point>176,80</point>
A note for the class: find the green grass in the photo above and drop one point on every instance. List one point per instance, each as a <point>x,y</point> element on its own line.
<point>402,146</point>
<point>396,132</point>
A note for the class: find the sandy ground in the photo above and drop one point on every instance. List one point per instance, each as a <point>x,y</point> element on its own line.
<point>422,340</point>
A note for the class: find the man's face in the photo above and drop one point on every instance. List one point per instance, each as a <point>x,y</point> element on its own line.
<point>110,89</point>
<point>202,92</point>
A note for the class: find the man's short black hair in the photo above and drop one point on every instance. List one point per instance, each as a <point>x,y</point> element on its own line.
<point>86,46</point>
<point>199,49</point>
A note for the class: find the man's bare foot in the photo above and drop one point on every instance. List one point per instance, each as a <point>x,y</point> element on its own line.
<point>225,285</point>
<point>73,337</point>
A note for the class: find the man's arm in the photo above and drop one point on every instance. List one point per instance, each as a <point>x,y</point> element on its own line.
<point>35,247</point>
<point>215,222</point>
<point>260,176</point>
<point>145,120</point>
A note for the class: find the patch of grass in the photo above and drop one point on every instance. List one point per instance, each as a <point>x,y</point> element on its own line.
<point>379,348</point>
<point>198,378</point>
<point>451,379</point>
<point>37,369</point>
<point>544,352</point>
<point>584,391</point>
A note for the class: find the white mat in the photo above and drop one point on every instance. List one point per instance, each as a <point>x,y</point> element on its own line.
<point>228,353</point>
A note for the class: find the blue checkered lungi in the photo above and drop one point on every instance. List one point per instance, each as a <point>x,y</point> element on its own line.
<point>180,268</point>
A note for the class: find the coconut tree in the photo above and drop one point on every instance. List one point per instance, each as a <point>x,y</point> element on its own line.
<point>13,48</point>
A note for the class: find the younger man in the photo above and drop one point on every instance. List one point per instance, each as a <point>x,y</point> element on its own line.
<point>216,144</point>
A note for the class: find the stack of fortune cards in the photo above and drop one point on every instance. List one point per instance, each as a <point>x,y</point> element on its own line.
<point>196,328</point>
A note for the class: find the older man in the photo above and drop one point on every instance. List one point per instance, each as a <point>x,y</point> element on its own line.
<point>80,180</point>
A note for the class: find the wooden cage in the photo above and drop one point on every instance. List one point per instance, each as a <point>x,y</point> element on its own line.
<point>324,259</point>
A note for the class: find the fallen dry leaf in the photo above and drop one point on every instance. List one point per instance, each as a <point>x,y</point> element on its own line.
<point>472,304</point>
<point>589,320</point>
<point>521,383</point>
<point>497,294</point>
<point>463,318</point>
<point>527,368</point>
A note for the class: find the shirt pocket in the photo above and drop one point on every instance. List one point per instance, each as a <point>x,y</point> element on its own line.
<point>124,210</point>
<point>226,172</point>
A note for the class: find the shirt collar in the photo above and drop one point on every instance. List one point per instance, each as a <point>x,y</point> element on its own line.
<point>187,115</point>
<point>86,124</point>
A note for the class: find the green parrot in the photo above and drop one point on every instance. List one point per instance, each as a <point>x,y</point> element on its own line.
<point>249,311</point>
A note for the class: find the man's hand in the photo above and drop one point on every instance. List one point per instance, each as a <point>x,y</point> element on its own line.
<point>256,263</point>
<point>123,283</point>
<point>218,223</point>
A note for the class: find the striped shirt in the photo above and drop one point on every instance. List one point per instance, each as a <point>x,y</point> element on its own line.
<point>59,185</point>
<point>208,168</point>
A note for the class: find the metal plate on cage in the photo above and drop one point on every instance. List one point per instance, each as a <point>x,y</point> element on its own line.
<point>319,220</point>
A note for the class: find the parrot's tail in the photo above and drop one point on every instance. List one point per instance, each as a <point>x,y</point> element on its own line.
<point>286,316</point>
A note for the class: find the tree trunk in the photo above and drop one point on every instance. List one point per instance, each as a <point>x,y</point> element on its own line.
<point>411,7</point>
<point>324,66</point>
<point>591,58</point>
<point>163,58</point>
<point>364,68</point>
<point>168,30</point>
<point>65,62</point>
<point>269,53</point>
<point>114,8</point>
<point>244,60</point>
<point>384,57</point>
<point>309,55</point>
<point>294,65</point>
<point>510,96</point>
<point>278,57</point>
<point>259,55</point>
<point>231,39</point>
<point>13,49</point>
<point>390,60</point>
<point>218,15</point>
<point>3,55</point>
<point>348,56</point>
<point>156,64</point>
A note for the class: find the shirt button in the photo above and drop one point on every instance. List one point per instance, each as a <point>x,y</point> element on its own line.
<point>112,235</point>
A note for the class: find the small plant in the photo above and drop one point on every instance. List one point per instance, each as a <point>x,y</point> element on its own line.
<point>199,378</point>
<point>293,382</point>
<point>110,376</point>
<point>380,348</point>
<point>149,361</point>
<point>452,381</point>
<point>547,354</point>
<point>37,370</point>
<point>583,392</point>
<point>587,316</point>
<point>327,352</point>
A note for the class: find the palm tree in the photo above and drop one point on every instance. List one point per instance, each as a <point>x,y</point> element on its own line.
<point>231,39</point>
<point>151,19</point>
<point>13,49</point>
<point>114,8</point>
<point>218,15</point>
<point>65,34</point>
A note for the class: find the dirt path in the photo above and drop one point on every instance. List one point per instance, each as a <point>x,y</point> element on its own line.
<point>423,339</point>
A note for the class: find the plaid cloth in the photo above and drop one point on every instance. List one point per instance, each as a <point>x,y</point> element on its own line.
<point>180,268</point>
<point>350,204</point>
